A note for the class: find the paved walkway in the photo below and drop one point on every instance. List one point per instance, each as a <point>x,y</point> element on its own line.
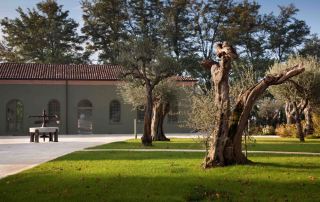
<point>17,153</point>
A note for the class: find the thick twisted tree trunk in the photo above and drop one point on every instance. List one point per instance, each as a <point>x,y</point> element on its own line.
<point>160,110</point>
<point>219,136</point>
<point>309,130</point>
<point>225,142</point>
<point>146,137</point>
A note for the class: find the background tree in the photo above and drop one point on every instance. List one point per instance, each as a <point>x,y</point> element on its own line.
<point>145,17</point>
<point>311,47</point>
<point>207,19</point>
<point>285,32</point>
<point>176,28</point>
<point>6,53</point>
<point>245,28</point>
<point>43,35</point>
<point>105,27</point>
<point>301,93</point>
<point>268,111</point>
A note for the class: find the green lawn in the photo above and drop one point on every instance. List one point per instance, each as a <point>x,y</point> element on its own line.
<point>261,144</point>
<point>175,143</point>
<point>165,176</point>
<point>285,144</point>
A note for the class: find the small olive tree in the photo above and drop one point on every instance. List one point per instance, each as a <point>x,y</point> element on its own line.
<point>300,93</point>
<point>146,62</point>
<point>163,95</point>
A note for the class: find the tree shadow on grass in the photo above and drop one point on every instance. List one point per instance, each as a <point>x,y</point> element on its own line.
<point>156,145</point>
<point>212,186</point>
<point>289,141</point>
<point>128,155</point>
<point>291,166</point>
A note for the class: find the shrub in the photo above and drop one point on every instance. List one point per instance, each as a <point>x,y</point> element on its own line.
<point>268,130</point>
<point>316,124</point>
<point>286,130</point>
<point>255,130</point>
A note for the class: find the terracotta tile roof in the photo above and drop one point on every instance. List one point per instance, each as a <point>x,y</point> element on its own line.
<point>58,71</point>
<point>31,71</point>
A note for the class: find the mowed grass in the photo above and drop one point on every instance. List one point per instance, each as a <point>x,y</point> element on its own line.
<point>174,143</point>
<point>259,144</point>
<point>165,176</point>
<point>285,144</point>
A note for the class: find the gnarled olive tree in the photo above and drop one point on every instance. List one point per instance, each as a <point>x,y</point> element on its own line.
<point>225,141</point>
<point>301,93</point>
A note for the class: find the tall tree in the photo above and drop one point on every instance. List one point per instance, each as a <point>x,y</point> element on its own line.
<point>6,53</point>
<point>145,17</point>
<point>311,47</point>
<point>245,29</point>
<point>105,27</point>
<point>43,35</point>
<point>175,27</point>
<point>286,32</point>
<point>207,19</point>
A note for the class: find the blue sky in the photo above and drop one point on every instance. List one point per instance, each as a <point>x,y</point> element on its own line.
<point>309,9</point>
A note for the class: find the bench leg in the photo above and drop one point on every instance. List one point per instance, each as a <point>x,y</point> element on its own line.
<point>37,136</point>
<point>31,137</point>
<point>44,137</point>
<point>56,136</point>
<point>50,137</point>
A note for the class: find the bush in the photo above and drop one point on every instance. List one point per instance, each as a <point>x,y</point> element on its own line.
<point>268,130</point>
<point>286,130</point>
<point>316,125</point>
<point>316,122</point>
<point>255,130</point>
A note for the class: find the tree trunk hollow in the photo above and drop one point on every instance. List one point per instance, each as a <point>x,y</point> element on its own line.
<point>160,110</point>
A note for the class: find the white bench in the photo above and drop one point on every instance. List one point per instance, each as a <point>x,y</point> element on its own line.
<point>36,132</point>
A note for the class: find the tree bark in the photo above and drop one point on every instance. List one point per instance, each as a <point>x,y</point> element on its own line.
<point>146,138</point>
<point>220,76</point>
<point>289,113</point>
<point>160,110</point>
<point>309,130</point>
<point>299,127</point>
<point>225,141</point>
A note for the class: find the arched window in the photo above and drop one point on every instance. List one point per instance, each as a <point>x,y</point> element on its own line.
<point>14,115</point>
<point>115,111</point>
<point>173,115</point>
<point>54,108</point>
<point>85,116</point>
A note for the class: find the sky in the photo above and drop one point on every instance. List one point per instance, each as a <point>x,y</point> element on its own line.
<point>309,9</point>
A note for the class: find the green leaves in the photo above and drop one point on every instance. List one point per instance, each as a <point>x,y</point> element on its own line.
<point>42,35</point>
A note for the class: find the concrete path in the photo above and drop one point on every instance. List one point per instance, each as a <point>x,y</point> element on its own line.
<point>17,153</point>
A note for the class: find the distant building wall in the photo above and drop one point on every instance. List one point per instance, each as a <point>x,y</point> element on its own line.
<point>35,96</point>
